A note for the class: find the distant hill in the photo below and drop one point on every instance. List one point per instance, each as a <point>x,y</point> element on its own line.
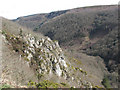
<point>32,21</point>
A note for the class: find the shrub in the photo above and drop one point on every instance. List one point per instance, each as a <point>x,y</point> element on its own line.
<point>106,82</point>
<point>4,86</point>
<point>47,84</point>
<point>64,84</point>
<point>3,32</point>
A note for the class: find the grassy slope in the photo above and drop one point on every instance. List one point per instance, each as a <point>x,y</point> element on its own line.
<point>32,21</point>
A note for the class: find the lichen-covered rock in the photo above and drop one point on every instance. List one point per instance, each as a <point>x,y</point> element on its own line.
<point>58,70</point>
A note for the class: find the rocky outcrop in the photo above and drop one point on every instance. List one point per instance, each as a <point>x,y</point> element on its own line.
<point>44,55</point>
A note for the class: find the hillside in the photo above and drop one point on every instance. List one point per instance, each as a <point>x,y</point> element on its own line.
<point>30,59</point>
<point>80,29</point>
<point>33,21</point>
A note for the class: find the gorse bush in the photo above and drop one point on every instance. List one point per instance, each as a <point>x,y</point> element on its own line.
<point>106,82</point>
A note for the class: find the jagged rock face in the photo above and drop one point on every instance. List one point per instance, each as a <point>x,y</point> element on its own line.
<point>47,54</point>
<point>43,55</point>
